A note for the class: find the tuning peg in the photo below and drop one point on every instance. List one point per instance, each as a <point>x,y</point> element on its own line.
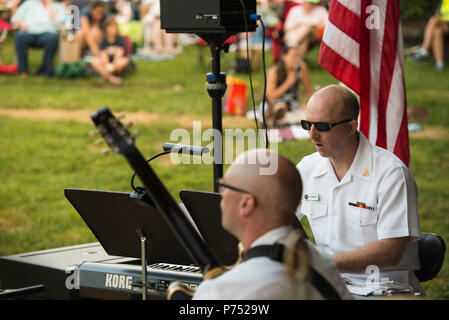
<point>121,115</point>
<point>105,151</point>
<point>128,124</point>
<point>99,142</point>
<point>136,133</point>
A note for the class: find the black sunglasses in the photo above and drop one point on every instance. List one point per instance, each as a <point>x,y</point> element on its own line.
<point>320,126</point>
<point>221,185</point>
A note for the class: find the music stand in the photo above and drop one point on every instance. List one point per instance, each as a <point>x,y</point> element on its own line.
<point>204,208</point>
<point>124,225</point>
<point>114,218</point>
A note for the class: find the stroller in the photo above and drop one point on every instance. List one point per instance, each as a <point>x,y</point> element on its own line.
<point>5,27</point>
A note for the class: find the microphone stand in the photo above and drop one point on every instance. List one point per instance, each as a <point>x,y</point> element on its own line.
<point>216,87</point>
<point>143,253</point>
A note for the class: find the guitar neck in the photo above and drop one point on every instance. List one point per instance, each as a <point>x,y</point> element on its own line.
<point>174,216</point>
<point>121,141</point>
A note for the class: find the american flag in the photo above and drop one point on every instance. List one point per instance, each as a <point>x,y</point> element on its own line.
<point>362,47</point>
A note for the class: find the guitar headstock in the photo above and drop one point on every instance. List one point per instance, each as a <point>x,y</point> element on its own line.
<point>116,135</point>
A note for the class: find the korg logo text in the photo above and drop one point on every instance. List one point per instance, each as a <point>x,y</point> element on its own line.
<point>118,281</point>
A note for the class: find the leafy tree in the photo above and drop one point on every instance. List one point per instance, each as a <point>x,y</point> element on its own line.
<point>417,9</point>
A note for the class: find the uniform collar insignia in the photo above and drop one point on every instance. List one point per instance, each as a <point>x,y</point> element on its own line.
<point>362,165</point>
<point>321,168</point>
<point>365,172</point>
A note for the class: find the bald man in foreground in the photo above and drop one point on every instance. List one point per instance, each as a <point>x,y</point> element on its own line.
<point>360,200</point>
<point>259,210</point>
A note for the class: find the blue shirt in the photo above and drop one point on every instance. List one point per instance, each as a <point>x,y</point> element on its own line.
<point>37,17</point>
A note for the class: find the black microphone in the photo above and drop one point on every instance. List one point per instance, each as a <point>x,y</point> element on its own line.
<point>185,149</point>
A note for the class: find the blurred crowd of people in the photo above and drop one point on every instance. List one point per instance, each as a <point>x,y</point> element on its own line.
<point>40,23</point>
<point>297,24</point>
<point>293,27</point>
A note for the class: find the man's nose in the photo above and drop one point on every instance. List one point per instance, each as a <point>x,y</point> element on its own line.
<point>313,132</point>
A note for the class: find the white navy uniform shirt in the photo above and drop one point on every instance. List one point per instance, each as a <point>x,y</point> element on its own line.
<point>376,199</point>
<point>261,278</point>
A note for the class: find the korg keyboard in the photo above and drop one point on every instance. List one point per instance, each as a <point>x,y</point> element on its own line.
<point>122,281</point>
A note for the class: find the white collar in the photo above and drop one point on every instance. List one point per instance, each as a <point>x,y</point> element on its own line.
<point>361,166</point>
<point>272,236</point>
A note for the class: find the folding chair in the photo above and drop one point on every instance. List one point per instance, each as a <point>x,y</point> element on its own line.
<point>431,251</point>
<point>5,27</point>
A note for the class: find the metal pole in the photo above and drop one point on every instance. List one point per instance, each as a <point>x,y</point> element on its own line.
<point>217,120</point>
<point>216,87</point>
<point>143,253</point>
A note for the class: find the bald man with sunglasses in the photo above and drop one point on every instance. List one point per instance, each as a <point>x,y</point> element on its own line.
<point>360,200</point>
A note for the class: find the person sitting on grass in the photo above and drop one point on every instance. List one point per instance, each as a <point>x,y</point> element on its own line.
<point>283,83</point>
<point>436,27</point>
<point>163,43</point>
<point>111,60</point>
<point>93,18</point>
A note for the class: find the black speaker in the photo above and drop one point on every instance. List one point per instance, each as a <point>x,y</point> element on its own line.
<point>207,16</point>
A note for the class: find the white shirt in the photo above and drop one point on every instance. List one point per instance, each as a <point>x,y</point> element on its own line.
<point>37,18</point>
<point>387,195</point>
<point>296,17</point>
<point>262,278</point>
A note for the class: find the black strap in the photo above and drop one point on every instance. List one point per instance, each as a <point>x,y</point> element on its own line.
<point>276,253</point>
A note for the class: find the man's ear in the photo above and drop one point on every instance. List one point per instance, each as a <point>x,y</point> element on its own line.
<point>353,126</point>
<point>247,205</point>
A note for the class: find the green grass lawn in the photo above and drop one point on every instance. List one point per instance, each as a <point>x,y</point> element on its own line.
<point>40,158</point>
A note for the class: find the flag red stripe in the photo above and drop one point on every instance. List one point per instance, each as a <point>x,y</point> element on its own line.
<point>389,53</point>
<point>365,71</point>
<point>344,19</point>
<point>402,149</point>
<point>339,67</point>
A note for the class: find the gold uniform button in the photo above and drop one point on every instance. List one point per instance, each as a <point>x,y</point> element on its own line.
<point>366,172</point>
